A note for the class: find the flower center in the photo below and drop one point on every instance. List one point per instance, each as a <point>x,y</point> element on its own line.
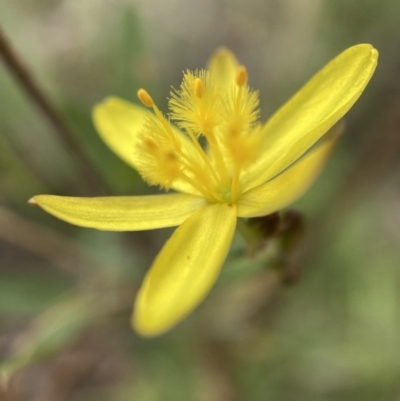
<point>226,194</point>
<point>204,106</point>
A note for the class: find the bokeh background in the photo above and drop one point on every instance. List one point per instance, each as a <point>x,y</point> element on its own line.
<point>66,293</point>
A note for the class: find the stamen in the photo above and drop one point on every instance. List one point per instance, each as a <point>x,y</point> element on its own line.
<point>203,189</point>
<point>224,116</point>
<point>241,76</point>
<point>241,81</point>
<point>198,87</point>
<point>219,159</point>
<point>202,154</point>
<point>147,101</point>
<point>195,105</point>
<point>145,98</point>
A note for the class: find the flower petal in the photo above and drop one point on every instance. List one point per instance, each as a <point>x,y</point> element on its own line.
<point>299,123</point>
<point>223,66</point>
<point>119,124</point>
<point>121,213</point>
<point>284,189</point>
<point>185,269</point>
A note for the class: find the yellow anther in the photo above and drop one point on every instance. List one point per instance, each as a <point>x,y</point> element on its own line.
<point>171,156</point>
<point>198,87</point>
<point>150,145</point>
<point>145,98</point>
<point>241,76</point>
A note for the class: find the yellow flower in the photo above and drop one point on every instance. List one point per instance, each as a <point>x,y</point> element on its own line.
<point>246,169</point>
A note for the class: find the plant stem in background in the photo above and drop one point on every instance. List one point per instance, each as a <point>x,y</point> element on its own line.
<point>93,179</point>
<point>50,245</point>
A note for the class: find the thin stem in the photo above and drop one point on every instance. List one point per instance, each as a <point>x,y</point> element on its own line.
<point>36,93</point>
<point>46,243</point>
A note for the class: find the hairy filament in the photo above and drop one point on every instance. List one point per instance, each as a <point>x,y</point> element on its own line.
<point>203,155</point>
<point>219,160</point>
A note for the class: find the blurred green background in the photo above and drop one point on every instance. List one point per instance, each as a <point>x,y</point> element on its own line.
<point>66,293</point>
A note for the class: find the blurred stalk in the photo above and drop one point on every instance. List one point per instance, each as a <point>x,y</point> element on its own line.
<point>59,326</point>
<point>374,163</point>
<point>93,180</point>
<point>45,243</point>
<point>21,153</point>
<point>219,370</point>
<point>376,159</point>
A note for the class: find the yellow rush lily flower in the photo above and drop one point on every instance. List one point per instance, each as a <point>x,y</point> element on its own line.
<point>246,169</point>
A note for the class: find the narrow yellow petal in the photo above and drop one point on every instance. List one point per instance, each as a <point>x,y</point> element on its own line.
<point>223,67</point>
<point>284,189</point>
<point>121,213</point>
<point>120,123</point>
<point>309,114</point>
<point>185,269</point>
